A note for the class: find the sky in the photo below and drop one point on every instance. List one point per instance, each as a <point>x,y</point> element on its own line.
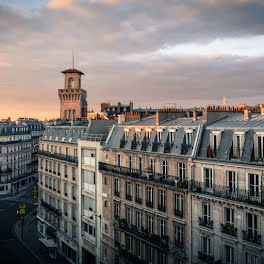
<point>157,53</point>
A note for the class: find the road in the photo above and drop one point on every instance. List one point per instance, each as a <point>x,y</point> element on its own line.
<point>11,249</point>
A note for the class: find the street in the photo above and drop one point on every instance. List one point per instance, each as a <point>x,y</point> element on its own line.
<point>11,249</point>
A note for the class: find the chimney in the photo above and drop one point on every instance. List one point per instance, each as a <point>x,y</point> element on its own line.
<point>262,110</point>
<point>131,106</point>
<point>118,107</point>
<point>247,114</point>
<point>188,113</point>
<point>194,114</point>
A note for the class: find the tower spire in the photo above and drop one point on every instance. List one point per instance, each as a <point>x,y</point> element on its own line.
<point>73,58</point>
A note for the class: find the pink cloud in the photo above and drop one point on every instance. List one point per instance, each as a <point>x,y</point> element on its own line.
<point>59,3</point>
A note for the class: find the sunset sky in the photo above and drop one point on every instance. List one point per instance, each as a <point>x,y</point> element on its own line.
<point>154,52</point>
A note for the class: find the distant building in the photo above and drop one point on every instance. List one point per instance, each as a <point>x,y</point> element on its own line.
<point>73,104</point>
<point>114,110</point>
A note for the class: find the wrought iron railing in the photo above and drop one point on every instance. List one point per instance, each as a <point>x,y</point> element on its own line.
<point>205,257</point>
<point>229,229</point>
<point>252,237</point>
<point>51,208</point>
<point>206,222</point>
<point>58,156</point>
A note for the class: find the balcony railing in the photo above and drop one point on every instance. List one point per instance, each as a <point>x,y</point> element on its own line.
<point>229,229</point>
<point>251,237</point>
<point>150,238</point>
<point>138,200</point>
<point>178,212</point>
<point>130,257</point>
<point>51,208</point>
<point>205,257</point>
<point>149,204</point>
<point>58,156</point>
<point>206,222</point>
<point>144,175</point>
<point>240,195</point>
<point>162,207</point>
<point>128,197</point>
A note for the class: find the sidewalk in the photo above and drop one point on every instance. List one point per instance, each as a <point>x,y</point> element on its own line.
<point>31,242</point>
<point>20,191</point>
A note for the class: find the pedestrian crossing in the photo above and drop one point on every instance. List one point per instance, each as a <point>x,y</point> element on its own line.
<point>23,198</point>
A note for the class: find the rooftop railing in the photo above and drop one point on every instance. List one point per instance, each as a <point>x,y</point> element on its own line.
<point>145,175</point>
<point>58,156</point>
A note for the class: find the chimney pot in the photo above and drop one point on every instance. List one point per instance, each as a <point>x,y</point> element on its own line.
<point>247,114</point>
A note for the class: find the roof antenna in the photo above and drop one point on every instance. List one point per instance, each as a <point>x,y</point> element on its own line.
<point>73,58</point>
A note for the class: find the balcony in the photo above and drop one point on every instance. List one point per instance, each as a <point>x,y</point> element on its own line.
<point>58,156</point>
<point>129,257</point>
<point>252,237</point>
<point>178,213</point>
<point>144,175</point>
<point>129,197</point>
<point>185,148</point>
<point>205,257</point>
<point>51,208</point>
<point>240,195</point>
<point>211,152</point>
<point>229,229</point>
<point>138,200</point>
<point>162,207</point>
<point>150,238</point>
<point>149,204</point>
<point>206,222</point>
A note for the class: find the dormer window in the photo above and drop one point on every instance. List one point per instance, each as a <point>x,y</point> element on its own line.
<point>159,134</point>
<point>238,142</point>
<point>188,136</point>
<point>148,134</point>
<point>138,133</point>
<point>171,135</point>
<point>260,146</point>
<point>126,133</point>
<point>71,83</point>
<point>215,138</point>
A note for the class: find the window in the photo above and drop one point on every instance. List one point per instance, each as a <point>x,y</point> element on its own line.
<point>58,183</point>
<point>105,203</point>
<point>126,134</point>
<point>129,243</point>
<point>128,215</point>
<point>88,157</point>
<point>106,228</point>
<point>105,181</point>
<point>73,213</point>
<point>65,189</point>
<point>181,171</point>
<point>138,219</point>
<point>206,245</point>
<point>179,205</point>
<point>65,171</point>
<point>88,206</point>
<point>159,136</point>
<point>138,193</point>
<point>164,168</point>
<point>229,216</point>
<point>206,214</point>
<point>116,235</point>
<point>149,201</point>
<point>208,178</point>
<point>130,163</point>
<point>171,137</point>
<point>162,227</point>
<point>139,249</point>
<point>251,258</point>
<point>188,138</point>
<point>54,184</point>
<point>232,181</point>
<point>88,178</point>
<point>162,200</point>
<point>162,257</point>
<point>152,165</point>
<point>118,160</point>
<point>253,186</point>
<point>73,174</point>
<point>150,223</point>
<point>129,191</point>
<point>117,210</point>
<point>46,181</point>
<point>252,226</point>
<point>178,235</point>
<point>117,187</point>
<point>73,192</point>
<point>75,153</point>
<point>260,142</point>
<point>73,231</point>
<point>150,255</point>
<point>229,254</point>
<point>58,169</point>
<point>65,209</point>
<point>140,165</point>
<point>65,226</point>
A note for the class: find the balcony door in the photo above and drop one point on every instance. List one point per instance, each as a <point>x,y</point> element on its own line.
<point>254,186</point>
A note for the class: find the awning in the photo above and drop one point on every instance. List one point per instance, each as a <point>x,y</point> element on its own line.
<point>49,243</point>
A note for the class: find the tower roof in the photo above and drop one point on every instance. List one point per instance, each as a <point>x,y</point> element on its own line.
<point>73,71</point>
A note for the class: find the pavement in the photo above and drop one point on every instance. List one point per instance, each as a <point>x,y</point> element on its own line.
<point>14,249</point>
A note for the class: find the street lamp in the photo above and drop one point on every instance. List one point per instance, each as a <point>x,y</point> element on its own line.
<point>99,216</point>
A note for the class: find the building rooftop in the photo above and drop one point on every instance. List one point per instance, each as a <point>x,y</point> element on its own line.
<point>73,71</point>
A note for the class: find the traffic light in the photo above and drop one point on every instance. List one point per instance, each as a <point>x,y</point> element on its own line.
<point>22,220</point>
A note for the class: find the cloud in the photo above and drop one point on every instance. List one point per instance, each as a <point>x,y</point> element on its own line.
<point>59,3</point>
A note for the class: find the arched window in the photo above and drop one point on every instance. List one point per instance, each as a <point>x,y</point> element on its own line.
<point>70,83</point>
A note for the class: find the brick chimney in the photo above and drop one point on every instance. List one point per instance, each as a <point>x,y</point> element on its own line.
<point>118,107</point>
<point>247,114</point>
<point>262,110</point>
<point>194,114</point>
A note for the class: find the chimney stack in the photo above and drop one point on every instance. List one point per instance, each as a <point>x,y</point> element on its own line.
<point>262,110</point>
<point>194,114</point>
<point>247,114</point>
<point>188,113</point>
